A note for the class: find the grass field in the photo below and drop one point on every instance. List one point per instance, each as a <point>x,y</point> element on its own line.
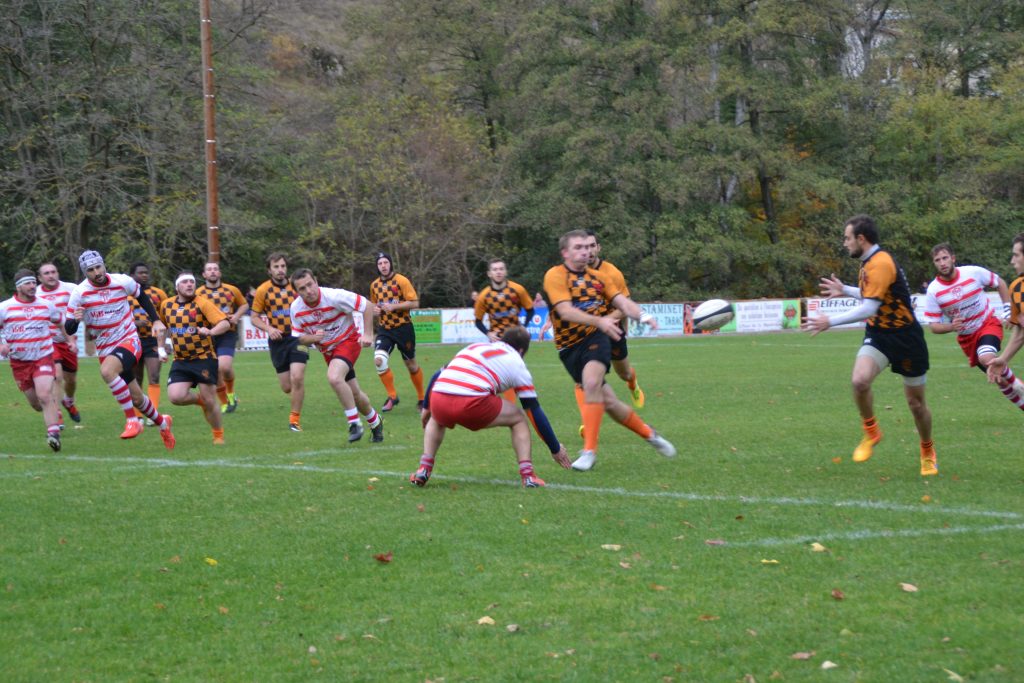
<point>255,561</point>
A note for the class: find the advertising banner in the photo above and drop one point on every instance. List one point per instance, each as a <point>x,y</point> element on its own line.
<point>427,324</point>
<point>834,307</point>
<point>536,324</point>
<point>253,338</point>
<point>765,316</point>
<point>669,317</point>
<point>458,327</point>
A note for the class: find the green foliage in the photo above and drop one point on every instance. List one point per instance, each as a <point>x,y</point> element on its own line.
<point>716,146</point>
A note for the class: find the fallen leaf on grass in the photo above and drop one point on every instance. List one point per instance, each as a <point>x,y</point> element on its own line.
<point>838,594</point>
<point>611,546</point>
<point>714,541</point>
<point>373,479</point>
<point>210,561</point>
<point>954,676</point>
<point>175,560</point>
<point>749,678</point>
<point>836,460</point>
<point>769,561</point>
<point>485,621</point>
<point>370,636</point>
<point>829,665</point>
<point>222,609</point>
<point>709,617</point>
<point>421,507</point>
<point>818,548</point>
<point>384,558</point>
<point>512,628</point>
<point>908,587</point>
<point>625,565</point>
<point>657,587</point>
<point>802,655</point>
<point>160,605</point>
<point>311,650</point>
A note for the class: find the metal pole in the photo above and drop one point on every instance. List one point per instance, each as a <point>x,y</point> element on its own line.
<point>210,130</point>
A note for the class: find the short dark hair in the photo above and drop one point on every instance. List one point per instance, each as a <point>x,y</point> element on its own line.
<point>1019,239</point>
<point>46,263</point>
<point>276,256</point>
<point>136,265</point>
<point>563,241</point>
<point>301,273</point>
<point>492,261</point>
<point>864,225</point>
<point>941,247</point>
<point>24,272</point>
<point>518,337</point>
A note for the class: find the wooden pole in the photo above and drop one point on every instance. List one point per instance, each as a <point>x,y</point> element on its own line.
<point>210,130</point>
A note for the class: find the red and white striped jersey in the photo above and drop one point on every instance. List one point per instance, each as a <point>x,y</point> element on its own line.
<point>332,314</point>
<point>108,313</point>
<point>963,296</point>
<point>486,368</point>
<point>58,296</point>
<point>26,327</point>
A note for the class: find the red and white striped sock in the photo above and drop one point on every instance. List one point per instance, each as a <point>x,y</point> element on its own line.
<point>526,469</point>
<point>149,411</point>
<point>123,396</point>
<point>427,461</point>
<point>1012,388</point>
<point>372,418</point>
<point>352,416</point>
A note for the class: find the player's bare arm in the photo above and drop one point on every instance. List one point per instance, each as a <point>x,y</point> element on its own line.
<point>366,337</point>
<point>567,311</point>
<point>632,310</point>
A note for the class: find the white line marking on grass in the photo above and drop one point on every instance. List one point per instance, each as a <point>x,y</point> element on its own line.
<point>867,534</point>
<point>572,488</point>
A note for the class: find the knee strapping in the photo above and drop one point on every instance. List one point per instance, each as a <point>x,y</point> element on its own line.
<point>380,359</point>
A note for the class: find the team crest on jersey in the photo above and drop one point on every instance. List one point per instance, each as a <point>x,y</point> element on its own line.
<point>318,316</point>
<point>205,374</point>
<point>104,294</point>
<point>956,292</point>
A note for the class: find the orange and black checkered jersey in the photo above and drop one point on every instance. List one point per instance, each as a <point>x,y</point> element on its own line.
<point>183,321</point>
<point>142,321</point>
<point>880,278</point>
<point>275,302</point>
<point>227,298</point>
<point>588,291</point>
<point>613,275</point>
<point>502,306</point>
<point>394,290</point>
<point>1017,301</point>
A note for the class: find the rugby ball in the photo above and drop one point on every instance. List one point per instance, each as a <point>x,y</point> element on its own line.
<point>712,314</point>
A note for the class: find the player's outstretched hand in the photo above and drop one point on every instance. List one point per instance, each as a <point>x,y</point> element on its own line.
<point>831,286</point>
<point>610,327</point>
<point>818,323</point>
<point>562,457</point>
<point>995,369</point>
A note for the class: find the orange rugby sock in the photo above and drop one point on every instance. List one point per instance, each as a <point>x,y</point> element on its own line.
<point>417,381</point>
<point>870,427</point>
<point>387,378</point>
<point>293,417</point>
<point>222,394</point>
<point>634,424</point>
<point>153,391</point>
<point>593,413</point>
<point>580,400</point>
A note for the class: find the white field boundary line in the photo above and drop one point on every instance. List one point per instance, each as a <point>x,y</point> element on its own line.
<point>869,534</point>
<point>885,506</point>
